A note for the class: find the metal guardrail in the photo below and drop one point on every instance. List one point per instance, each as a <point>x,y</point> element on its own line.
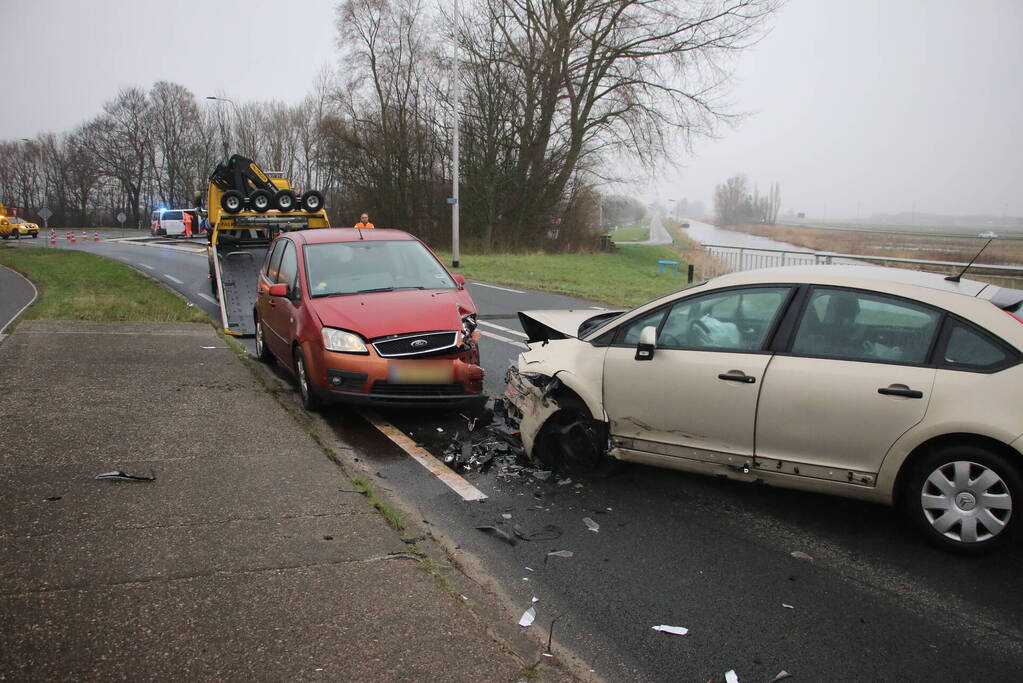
<point>729,259</point>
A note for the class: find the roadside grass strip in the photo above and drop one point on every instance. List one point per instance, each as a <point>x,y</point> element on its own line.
<point>627,278</point>
<point>75,285</point>
<point>633,234</point>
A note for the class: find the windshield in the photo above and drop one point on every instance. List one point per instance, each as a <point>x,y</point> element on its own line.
<point>372,266</point>
<point>171,215</point>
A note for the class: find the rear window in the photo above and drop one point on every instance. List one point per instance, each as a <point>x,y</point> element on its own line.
<point>171,215</point>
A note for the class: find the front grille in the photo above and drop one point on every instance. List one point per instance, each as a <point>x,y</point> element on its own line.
<point>411,345</point>
<point>383,387</point>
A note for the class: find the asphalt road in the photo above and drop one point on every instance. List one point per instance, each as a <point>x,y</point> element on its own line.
<point>873,602</point>
<point>17,293</point>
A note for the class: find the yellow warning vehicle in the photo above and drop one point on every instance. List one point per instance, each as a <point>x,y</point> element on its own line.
<point>247,209</point>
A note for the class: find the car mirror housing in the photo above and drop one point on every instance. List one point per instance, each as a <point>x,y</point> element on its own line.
<point>459,280</point>
<point>279,290</point>
<point>647,343</point>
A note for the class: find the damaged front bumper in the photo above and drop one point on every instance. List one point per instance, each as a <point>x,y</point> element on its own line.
<point>529,403</point>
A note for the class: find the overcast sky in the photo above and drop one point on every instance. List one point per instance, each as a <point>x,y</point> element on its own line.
<point>856,107</point>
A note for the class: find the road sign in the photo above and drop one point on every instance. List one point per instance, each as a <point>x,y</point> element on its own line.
<point>121,218</point>
<point>45,213</point>
<point>452,200</point>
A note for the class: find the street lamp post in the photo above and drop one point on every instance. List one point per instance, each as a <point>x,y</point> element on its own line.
<point>454,146</point>
<point>223,132</point>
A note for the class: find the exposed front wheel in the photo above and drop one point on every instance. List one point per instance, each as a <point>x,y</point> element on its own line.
<point>309,400</point>
<point>262,352</point>
<point>573,444</point>
<point>961,497</point>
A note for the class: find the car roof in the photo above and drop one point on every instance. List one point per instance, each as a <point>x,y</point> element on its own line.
<point>856,276</point>
<point>329,235</point>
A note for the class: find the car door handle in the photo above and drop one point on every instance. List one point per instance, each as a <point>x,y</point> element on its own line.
<point>735,376</point>
<point>900,391</point>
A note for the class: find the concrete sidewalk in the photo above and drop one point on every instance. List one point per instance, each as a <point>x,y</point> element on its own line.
<point>242,560</point>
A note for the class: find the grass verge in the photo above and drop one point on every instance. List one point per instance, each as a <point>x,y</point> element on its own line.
<point>627,278</point>
<point>390,514</point>
<point>74,285</point>
<point>633,234</point>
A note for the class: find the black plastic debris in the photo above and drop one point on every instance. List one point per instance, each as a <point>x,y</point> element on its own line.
<point>550,532</point>
<point>123,476</point>
<point>498,533</point>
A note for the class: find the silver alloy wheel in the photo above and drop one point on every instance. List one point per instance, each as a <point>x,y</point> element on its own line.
<point>233,203</point>
<point>966,501</point>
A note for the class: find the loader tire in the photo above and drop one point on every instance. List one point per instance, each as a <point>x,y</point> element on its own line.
<point>312,201</point>
<point>285,200</point>
<point>261,201</point>
<point>232,201</point>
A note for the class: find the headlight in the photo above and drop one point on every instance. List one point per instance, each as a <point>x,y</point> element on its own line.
<point>345,342</point>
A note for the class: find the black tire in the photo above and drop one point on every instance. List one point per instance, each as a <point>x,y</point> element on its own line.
<point>312,201</point>
<point>214,289</point>
<point>5,237</point>
<point>262,352</point>
<point>17,235</point>
<point>571,443</point>
<point>232,201</point>
<point>961,498</point>
<point>35,235</point>
<point>261,201</point>
<point>310,401</point>
<point>285,200</point>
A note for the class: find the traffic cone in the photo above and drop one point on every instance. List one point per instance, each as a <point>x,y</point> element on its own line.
<point>68,236</point>
<point>53,239</point>
<point>95,237</point>
<point>85,236</point>
<point>73,239</point>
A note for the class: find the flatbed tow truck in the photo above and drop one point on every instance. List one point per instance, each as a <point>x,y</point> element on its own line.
<point>247,210</point>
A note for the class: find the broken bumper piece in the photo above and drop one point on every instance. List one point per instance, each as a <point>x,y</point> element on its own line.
<point>529,404</point>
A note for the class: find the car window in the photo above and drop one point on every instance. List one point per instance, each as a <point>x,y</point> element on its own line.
<point>172,215</point>
<point>289,265</point>
<point>969,349</point>
<point>273,264</point>
<point>736,320</point>
<point>861,326</point>
<point>629,333</point>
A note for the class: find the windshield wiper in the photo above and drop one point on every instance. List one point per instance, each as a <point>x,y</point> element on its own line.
<point>378,289</point>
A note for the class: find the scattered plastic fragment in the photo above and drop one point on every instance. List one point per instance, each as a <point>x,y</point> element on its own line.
<point>506,515</point>
<point>471,421</point>
<point>786,606</point>
<point>212,347</point>
<point>782,675</point>
<point>527,617</point>
<point>800,555</point>
<point>591,525</point>
<point>564,482</point>
<point>463,596</point>
<point>674,630</point>
<point>550,638</point>
<point>535,600</point>
<point>731,677</point>
<point>440,429</point>
<point>549,533</point>
<point>54,498</point>
<point>542,475</point>
<point>530,569</point>
<point>499,533</point>
<point>118,474</point>
<point>561,553</point>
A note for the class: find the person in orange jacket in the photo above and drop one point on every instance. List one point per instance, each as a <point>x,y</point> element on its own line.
<point>187,218</point>
<point>364,222</point>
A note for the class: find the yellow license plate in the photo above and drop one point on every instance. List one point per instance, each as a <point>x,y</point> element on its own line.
<point>421,372</point>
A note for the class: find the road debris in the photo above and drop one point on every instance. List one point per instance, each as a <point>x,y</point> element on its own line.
<point>591,525</point>
<point>527,617</point>
<point>731,677</point>
<point>787,606</point>
<point>564,482</point>
<point>54,498</point>
<point>800,555</point>
<point>122,476</point>
<point>782,675</point>
<point>550,532</point>
<point>499,533</point>
<point>505,515</point>
<point>559,553</point>
<point>550,638</point>
<point>674,630</point>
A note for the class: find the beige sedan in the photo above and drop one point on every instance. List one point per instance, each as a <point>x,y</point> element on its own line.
<point>881,384</point>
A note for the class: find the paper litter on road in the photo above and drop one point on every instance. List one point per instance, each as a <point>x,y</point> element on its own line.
<point>561,553</point>
<point>800,555</point>
<point>527,617</point>
<point>786,606</point>
<point>730,677</point>
<point>118,474</point>
<point>782,675</point>
<point>674,630</point>
<point>591,525</point>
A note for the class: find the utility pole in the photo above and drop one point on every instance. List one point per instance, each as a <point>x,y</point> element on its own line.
<point>454,144</point>
<point>223,133</point>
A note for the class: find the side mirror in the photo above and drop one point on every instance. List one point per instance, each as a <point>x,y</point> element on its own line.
<point>279,290</point>
<point>647,343</point>
<point>459,280</point>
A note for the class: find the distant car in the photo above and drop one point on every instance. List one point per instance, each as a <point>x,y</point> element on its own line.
<point>18,227</point>
<point>882,384</point>
<point>685,225</point>
<point>367,317</point>
<point>171,222</point>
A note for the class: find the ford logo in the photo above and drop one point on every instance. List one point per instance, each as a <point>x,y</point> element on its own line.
<point>419,343</point>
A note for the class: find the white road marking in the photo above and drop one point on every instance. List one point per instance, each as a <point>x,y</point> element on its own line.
<point>173,279</point>
<point>598,308</point>
<point>506,340</point>
<point>503,289</point>
<point>208,298</point>
<point>504,329</point>
<point>460,486</point>
<point>146,265</point>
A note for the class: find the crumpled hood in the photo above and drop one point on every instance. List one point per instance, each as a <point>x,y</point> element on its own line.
<point>563,324</point>
<point>380,314</point>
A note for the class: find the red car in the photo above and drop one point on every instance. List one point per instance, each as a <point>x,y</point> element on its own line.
<point>369,317</point>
